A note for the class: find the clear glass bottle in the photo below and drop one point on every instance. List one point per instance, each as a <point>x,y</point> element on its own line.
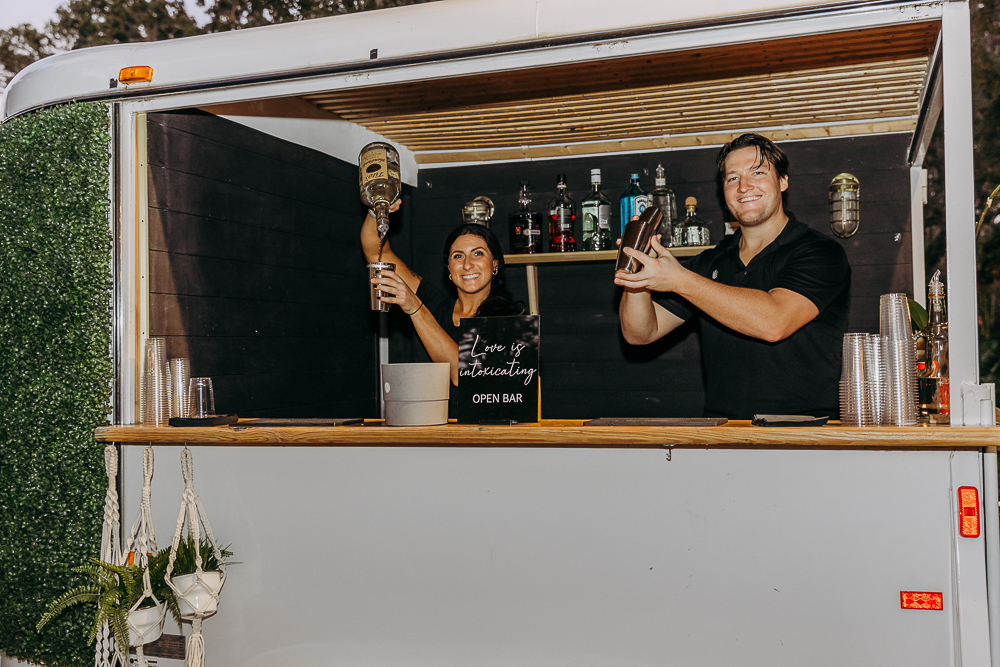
<point>664,199</point>
<point>933,386</point>
<point>692,230</point>
<point>632,202</point>
<point>378,177</point>
<point>525,225</point>
<point>562,219</point>
<point>595,232</point>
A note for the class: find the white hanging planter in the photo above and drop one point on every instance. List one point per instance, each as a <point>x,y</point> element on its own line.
<point>198,595</point>
<point>145,625</point>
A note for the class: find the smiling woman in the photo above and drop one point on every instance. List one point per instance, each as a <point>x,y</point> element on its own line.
<point>475,264</point>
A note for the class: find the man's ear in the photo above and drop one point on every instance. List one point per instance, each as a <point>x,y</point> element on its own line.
<point>783,182</point>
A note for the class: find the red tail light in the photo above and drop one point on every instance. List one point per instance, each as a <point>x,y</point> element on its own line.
<point>968,511</point>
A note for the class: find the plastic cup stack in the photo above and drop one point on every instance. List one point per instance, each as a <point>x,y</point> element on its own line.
<point>180,373</point>
<point>155,391</point>
<point>900,362</point>
<point>862,380</point>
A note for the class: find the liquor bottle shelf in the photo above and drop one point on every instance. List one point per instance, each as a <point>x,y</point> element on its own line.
<point>588,256</point>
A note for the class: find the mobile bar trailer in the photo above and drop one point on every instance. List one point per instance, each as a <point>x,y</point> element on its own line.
<point>235,220</point>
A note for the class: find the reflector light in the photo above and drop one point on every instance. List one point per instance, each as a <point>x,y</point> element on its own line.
<point>138,74</point>
<point>968,511</point>
<point>920,600</point>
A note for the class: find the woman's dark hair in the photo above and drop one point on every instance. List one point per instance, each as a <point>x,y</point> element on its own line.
<point>500,302</point>
<point>767,151</point>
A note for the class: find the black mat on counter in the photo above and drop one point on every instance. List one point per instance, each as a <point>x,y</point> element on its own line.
<point>217,420</point>
<point>300,421</point>
<point>657,421</point>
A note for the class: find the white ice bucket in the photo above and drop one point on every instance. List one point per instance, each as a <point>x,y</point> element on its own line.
<point>416,394</point>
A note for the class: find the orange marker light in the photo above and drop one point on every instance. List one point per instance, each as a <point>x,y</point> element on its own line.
<point>920,600</point>
<point>968,511</point>
<point>138,74</point>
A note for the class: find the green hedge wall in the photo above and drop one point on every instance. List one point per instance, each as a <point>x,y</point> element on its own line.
<point>55,369</point>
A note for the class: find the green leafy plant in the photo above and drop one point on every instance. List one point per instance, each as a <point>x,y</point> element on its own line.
<point>184,563</point>
<point>114,588</point>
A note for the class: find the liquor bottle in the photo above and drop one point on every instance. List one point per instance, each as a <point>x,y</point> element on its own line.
<point>562,217</point>
<point>632,202</point>
<point>664,199</point>
<point>525,225</point>
<point>692,230</point>
<point>595,233</point>
<point>933,387</point>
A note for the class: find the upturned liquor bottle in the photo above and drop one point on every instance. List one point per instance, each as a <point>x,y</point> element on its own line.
<point>525,225</point>
<point>664,199</point>
<point>632,202</point>
<point>596,215</point>
<point>562,217</point>
<point>933,386</point>
<point>692,230</point>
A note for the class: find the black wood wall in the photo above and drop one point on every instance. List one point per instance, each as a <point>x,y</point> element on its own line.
<point>256,271</point>
<point>587,368</point>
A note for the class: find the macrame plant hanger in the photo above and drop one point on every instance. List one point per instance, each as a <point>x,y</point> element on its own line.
<point>107,653</point>
<point>197,594</point>
<point>144,625</point>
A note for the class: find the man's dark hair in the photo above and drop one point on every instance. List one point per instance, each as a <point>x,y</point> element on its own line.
<point>767,151</point>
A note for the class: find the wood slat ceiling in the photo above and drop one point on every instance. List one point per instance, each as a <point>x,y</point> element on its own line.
<point>861,76</point>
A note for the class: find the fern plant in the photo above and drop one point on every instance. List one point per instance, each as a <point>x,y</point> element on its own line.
<point>115,589</point>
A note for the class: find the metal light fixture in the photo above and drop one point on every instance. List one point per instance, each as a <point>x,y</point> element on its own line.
<point>845,212</point>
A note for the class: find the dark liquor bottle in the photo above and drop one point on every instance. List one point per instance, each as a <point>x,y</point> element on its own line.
<point>692,230</point>
<point>632,202</point>
<point>562,218</point>
<point>596,216</point>
<point>933,386</point>
<point>664,199</point>
<point>525,225</point>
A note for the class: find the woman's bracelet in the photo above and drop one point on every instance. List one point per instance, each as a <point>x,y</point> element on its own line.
<point>418,309</point>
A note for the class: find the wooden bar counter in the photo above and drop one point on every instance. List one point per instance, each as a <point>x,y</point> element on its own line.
<point>566,433</point>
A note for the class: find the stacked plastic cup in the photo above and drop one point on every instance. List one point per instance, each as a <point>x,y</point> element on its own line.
<point>180,373</point>
<point>860,380</point>
<point>900,362</point>
<point>155,390</point>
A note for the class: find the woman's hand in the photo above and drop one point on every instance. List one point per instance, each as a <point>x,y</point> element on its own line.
<point>394,290</point>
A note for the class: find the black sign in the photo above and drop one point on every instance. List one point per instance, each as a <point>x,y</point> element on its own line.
<point>498,370</point>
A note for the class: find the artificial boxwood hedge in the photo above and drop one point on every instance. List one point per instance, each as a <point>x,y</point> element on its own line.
<point>55,369</point>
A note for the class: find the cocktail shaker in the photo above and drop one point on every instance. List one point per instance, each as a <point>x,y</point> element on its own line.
<point>638,235</point>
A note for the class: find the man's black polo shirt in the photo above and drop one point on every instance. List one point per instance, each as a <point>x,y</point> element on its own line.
<point>798,375</point>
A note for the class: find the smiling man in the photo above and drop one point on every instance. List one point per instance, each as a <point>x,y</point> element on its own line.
<point>772,298</point>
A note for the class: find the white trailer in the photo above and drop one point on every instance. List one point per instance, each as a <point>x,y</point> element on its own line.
<point>729,549</point>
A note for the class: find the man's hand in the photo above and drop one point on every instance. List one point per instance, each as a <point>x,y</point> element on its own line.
<point>660,272</point>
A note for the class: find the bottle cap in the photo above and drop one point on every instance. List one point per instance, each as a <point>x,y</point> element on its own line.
<point>690,201</point>
<point>661,176</point>
<point>635,177</point>
<point>595,175</point>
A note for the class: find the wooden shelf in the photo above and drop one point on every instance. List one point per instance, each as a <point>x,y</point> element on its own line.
<point>588,256</point>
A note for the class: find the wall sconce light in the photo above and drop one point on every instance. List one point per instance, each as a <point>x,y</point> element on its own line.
<point>845,212</point>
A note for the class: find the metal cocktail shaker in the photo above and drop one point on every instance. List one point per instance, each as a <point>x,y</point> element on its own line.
<point>638,234</point>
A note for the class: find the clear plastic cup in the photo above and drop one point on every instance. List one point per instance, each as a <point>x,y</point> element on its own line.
<point>201,398</point>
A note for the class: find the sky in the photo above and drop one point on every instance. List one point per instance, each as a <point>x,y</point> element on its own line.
<point>39,12</point>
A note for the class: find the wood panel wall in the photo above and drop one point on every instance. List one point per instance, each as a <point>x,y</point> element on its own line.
<point>587,368</point>
<point>255,269</point>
